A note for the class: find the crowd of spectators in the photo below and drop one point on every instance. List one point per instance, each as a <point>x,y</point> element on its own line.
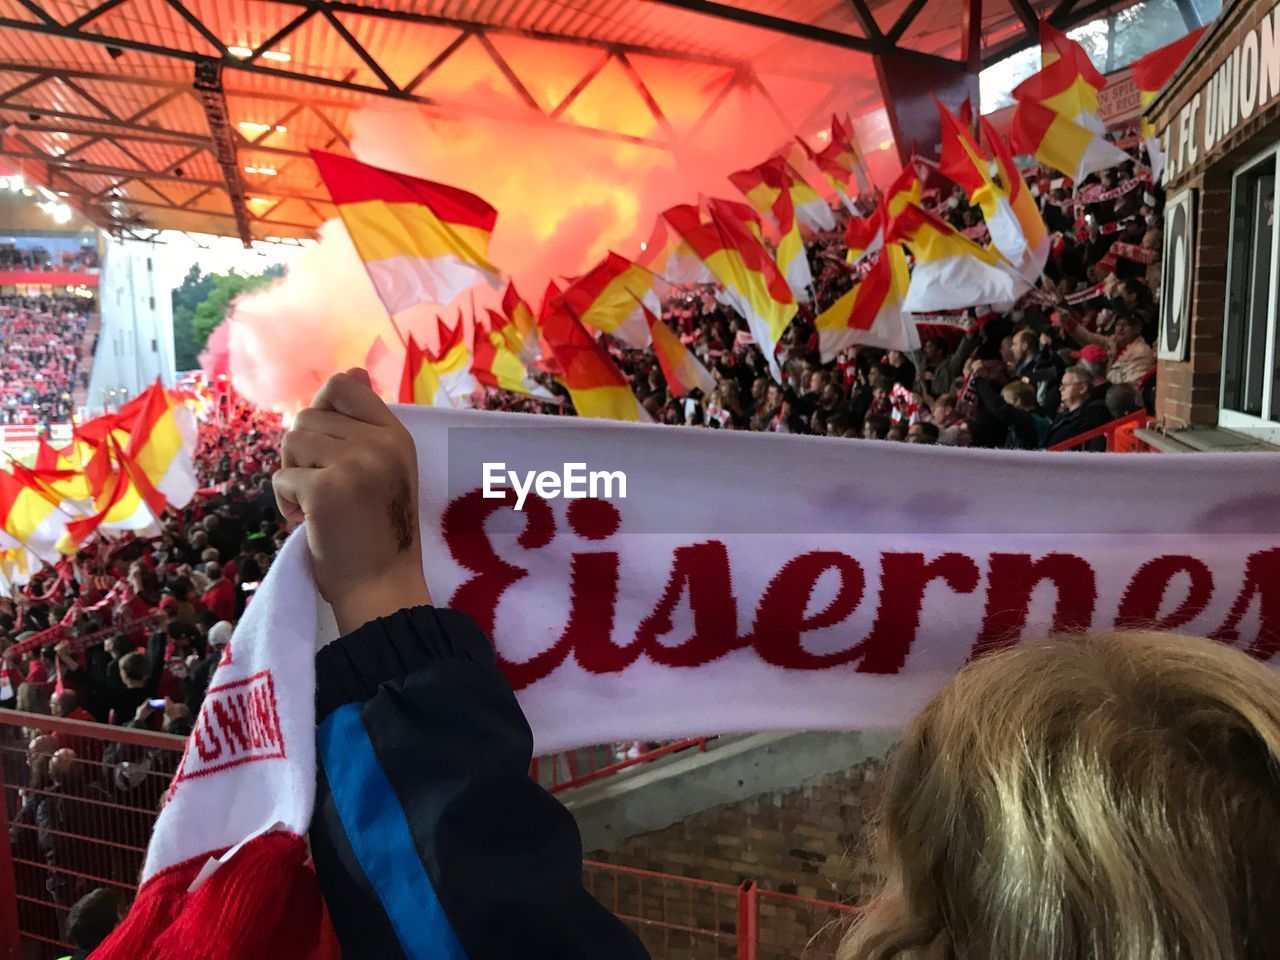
<point>174,600</point>
<point>41,344</point>
<point>38,259</point>
<point>1070,357</point>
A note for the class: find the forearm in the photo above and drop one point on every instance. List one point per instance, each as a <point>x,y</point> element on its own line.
<point>489,861</point>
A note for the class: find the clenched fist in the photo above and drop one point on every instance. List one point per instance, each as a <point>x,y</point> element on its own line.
<point>349,468</point>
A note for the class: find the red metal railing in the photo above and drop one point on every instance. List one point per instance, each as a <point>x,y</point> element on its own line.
<point>96,819</point>
<point>1118,435</point>
<point>573,768</point>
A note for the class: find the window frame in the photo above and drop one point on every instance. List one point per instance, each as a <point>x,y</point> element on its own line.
<point>1263,428</point>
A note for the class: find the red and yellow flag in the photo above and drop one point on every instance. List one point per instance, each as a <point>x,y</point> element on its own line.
<point>421,242</point>
<point>951,272</point>
<point>762,185</point>
<point>667,255</point>
<point>524,323</point>
<point>29,514</point>
<point>770,182</point>
<point>162,440</point>
<point>871,314</point>
<point>1061,143</point>
<point>595,384</point>
<point>904,190</point>
<point>1026,212</point>
<point>611,297</point>
<point>753,284</point>
<point>439,379</point>
<point>496,361</point>
<point>863,236</point>
<point>1152,72</point>
<point>683,371</point>
<point>125,499</point>
<point>840,161</point>
<point>1024,245</point>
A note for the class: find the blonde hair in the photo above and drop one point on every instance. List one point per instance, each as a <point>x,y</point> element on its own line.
<point>1110,796</point>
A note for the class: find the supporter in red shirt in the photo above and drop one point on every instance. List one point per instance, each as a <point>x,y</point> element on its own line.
<point>221,596</point>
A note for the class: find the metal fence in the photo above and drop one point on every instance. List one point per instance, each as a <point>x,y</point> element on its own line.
<point>72,824</point>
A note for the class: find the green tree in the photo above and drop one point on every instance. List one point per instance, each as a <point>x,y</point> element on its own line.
<point>201,303</point>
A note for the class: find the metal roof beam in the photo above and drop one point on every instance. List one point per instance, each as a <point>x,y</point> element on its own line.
<point>63,72</point>
<point>97,169</point>
<point>208,84</point>
<point>1064,17</point>
<point>793,28</point>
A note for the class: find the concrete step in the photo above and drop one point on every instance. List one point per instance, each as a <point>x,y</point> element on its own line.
<point>656,795</point>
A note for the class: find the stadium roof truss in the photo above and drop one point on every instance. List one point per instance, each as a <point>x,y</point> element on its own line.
<point>198,115</point>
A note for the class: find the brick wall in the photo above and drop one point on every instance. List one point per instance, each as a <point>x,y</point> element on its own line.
<point>810,842</point>
<point>1187,393</point>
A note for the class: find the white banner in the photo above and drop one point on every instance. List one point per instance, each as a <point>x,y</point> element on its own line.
<point>758,582</point>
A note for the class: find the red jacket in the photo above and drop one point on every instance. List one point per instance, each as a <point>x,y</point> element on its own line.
<point>221,599</point>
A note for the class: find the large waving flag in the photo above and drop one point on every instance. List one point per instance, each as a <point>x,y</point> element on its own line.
<point>770,183</point>
<point>906,189</point>
<point>612,297</point>
<point>1068,83</point>
<point>62,471</point>
<point>29,514</point>
<point>963,163</point>
<point>162,440</point>
<point>523,322</point>
<point>762,185</point>
<point>872,313</point>
<point>1060,142</point>
<point>669,256</point>
<point>421,242</point>
<point>1150,74</point>
<point>951,272</point>
<point>595,384</point>
<point>495,360</point>
<point>753,284</point>
<point>683,371</point>
<point>440,379</point>
<point>864,236</point>
<point>125,500</point>
<point>1034,234</point>
<point>841,162</point>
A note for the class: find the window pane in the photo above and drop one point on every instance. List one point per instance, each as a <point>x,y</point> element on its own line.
<point>1249,295</point>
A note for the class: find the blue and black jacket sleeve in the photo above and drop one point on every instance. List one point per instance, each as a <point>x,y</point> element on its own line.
<point>430,840</point>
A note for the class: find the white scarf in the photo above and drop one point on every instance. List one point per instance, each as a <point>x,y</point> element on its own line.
<point>754,582</point>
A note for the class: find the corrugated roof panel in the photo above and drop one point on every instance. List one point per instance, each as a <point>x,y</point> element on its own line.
<point>54,143</point>
<point>202,167</point>
<point>184,114</point>
<point>55,94</point>
<point>317,49</point>
<point>401,49</point>
<point>154,22</point>
<point>155,156</point>
<point>13,10</point>
<point>105,153</point>
<point>125,100</point>
<point>177,192</point>
<point>244,23</point>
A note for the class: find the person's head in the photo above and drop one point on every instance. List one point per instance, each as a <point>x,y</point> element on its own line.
<point>211,522</point>
<point>896,433</point>
<point>213,571</point>
<point>198,539</point>
<point>839,425</point>
<point>1122,400</point>
<point>210,555</point>
<point>1128,328</point>
<point>1103,795</point>
<point>956,435</point>
<point>926,433</point>
<point>1026,344</point>
<point>220,633</point>
<point>944,407</point>
<point>1019,394</point>
<point>62,765</point>
<point>63,703</point>
<point>118,646</point>
<point>830,396</point>
<point>759,388</point>
<point>1076,383</point>
<point>134,670</point>
<point>94,916</point>
<point>875,427</point>
<point>33,698</point>
<point>181,589</point>
<point>935,348</point>
<point>817,380</point>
